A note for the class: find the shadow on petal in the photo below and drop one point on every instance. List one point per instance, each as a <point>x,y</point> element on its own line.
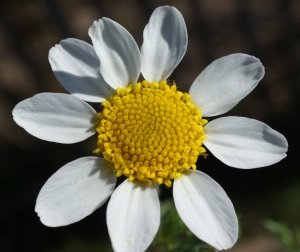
<point>86,87</point>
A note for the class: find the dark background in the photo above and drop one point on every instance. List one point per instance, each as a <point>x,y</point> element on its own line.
<point>267,29</point>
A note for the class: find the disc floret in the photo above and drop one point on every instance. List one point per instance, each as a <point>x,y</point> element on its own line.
<point>151,132</point>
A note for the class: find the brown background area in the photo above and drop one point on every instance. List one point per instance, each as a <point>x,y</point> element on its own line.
<point>267,29</point>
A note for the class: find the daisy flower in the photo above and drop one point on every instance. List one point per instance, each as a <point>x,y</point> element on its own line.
<point>148,131</point>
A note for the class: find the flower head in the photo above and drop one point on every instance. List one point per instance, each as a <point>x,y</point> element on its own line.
<point>148,131</point>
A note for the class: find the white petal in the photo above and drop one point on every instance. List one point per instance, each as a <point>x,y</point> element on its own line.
<point>133,216</point>
<point>76,66</point>
<point>206,209</point>
<point>225,82</point>
<point>53,117</point>
<point>165,43</point>
<point>244,143</point>
<point>75,191</point>
<point>118,52</point>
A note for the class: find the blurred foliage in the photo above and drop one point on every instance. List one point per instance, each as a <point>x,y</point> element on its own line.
<point>288,205</point>
<point>173,235</point>
<point>288,237</point>
<point>75,244</point>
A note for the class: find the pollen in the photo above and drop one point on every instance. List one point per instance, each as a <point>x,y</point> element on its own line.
<point>151,132</point>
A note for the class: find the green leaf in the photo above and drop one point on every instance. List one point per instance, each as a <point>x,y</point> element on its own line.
<point>288,237</point>
<point>173,235</point>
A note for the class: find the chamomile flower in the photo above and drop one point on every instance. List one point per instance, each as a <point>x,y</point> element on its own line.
<point>148,131</point>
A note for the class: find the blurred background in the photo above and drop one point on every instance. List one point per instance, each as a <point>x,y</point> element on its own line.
<point>267,200</point>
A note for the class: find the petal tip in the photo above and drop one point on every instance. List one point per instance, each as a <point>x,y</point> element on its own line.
<point>94,26</point>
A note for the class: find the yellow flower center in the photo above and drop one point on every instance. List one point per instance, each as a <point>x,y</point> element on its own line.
<point>151,132</point>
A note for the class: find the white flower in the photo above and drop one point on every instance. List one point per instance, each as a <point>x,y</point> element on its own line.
<point>140,147</point>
